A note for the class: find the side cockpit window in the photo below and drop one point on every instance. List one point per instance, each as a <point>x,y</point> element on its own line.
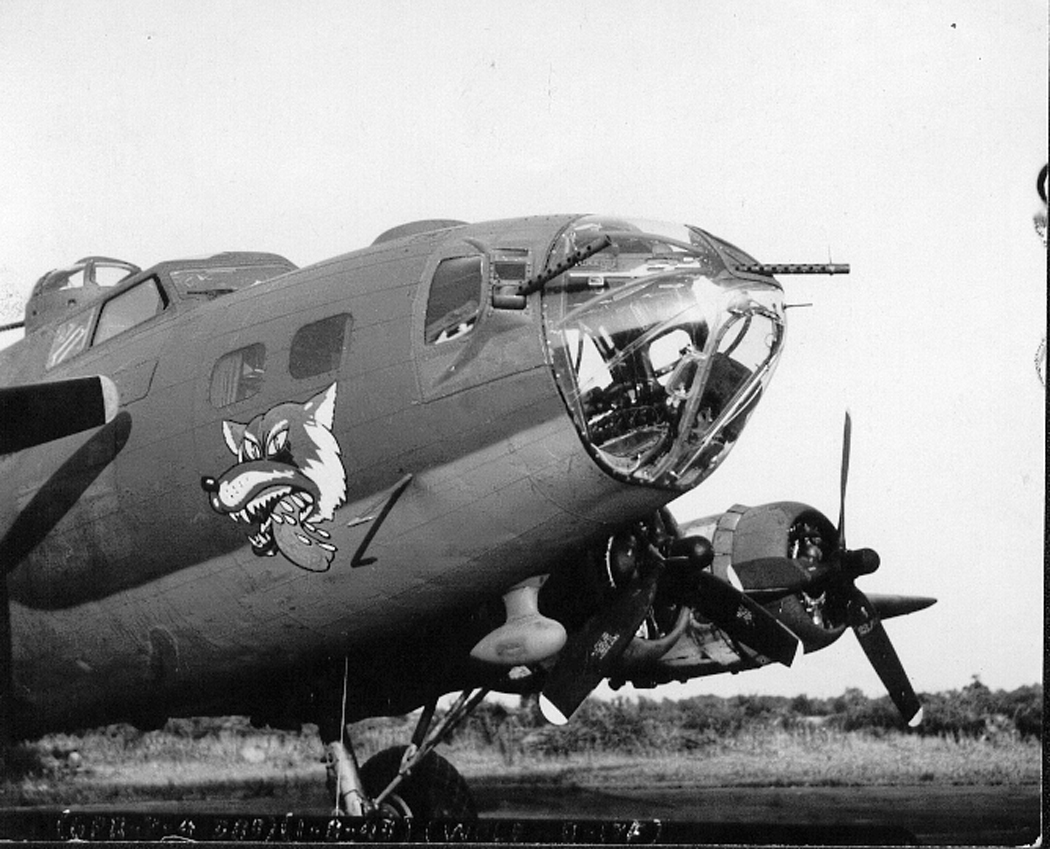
<point>238,375</point>
<point>70,338</point>
<point>129,309</point>
<point>455,296</point>
<point>318,347</point>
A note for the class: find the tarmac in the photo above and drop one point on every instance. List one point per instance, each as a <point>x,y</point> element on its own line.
<point>519,813</point>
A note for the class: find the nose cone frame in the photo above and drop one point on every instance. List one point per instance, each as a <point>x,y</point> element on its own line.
<point>661,349</point>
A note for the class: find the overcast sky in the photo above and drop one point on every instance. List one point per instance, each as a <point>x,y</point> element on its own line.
<point>902,138</point>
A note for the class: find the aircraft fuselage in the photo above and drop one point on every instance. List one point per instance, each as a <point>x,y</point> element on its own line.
<point>131,590</point>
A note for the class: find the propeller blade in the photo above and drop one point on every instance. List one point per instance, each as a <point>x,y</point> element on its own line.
<point>744,619</point>
<point>590,654</point>
<point>862,613</point>
<point>847,432</point>
<point>864,619</point>
<point>35,413</point>
<point>888,606</point>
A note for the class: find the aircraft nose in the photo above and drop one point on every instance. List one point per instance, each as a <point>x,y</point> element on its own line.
<point>209,485</point>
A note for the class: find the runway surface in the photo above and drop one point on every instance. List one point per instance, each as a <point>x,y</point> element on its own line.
<point>936,815</point>
<point>933,815</point>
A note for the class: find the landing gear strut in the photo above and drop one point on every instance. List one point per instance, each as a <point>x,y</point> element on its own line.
<point>405,781</point>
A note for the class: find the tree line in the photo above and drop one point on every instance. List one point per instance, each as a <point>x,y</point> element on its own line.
<point>643,725</point>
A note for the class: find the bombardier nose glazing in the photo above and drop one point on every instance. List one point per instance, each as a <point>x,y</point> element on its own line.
<point>661,346</point>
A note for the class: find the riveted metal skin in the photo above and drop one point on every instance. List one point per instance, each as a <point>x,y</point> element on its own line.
<point>109,539</point>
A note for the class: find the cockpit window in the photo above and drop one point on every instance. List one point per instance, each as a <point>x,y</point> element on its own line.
<point>57,280</point>
<point>660,351</point>
<point>110,275</point>
<point>70,338</point>
<point>221,280</point>
<point>98,271</point>
<point>455,294</point>
<point>129,309</point>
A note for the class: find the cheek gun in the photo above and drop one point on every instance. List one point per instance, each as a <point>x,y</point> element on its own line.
<point>769,269</point>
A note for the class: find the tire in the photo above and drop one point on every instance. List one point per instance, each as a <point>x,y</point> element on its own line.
<point>433,790</point>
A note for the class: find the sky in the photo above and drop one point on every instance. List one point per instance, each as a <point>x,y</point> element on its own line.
<point>902,138</point>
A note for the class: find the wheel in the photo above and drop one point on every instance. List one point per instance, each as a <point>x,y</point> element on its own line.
<point>433,790</point>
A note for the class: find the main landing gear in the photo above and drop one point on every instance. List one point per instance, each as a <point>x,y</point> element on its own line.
<point>405,781</point>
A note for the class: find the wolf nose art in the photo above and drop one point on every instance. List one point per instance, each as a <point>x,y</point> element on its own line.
<point>209,484</point>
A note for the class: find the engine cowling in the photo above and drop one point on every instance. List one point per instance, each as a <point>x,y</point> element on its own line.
<point>735,591</point>
<point>773,548</point>
<point>778,554</point>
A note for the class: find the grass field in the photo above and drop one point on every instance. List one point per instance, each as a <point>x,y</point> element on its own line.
<point>790,758</point>
<point>120,764</point>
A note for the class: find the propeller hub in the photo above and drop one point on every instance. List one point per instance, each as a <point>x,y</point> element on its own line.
<point>862,561</point>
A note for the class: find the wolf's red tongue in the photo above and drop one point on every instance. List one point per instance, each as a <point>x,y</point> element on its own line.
<point>299,540</point>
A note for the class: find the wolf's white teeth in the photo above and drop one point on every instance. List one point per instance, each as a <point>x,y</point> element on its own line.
<point>258,504</point>
<point>262,504</point>
<point>313,529</point>
<point>286,511</point>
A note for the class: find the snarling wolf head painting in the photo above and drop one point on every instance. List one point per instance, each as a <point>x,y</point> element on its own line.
<point>288,480</point>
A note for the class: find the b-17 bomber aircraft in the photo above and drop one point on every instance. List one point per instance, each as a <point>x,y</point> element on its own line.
<point>439,464</point>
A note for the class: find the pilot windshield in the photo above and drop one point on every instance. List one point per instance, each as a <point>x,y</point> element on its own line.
<point>660,350</point>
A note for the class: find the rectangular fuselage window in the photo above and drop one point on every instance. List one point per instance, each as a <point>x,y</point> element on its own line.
<point>318,347</point>
<point>455,295</point>
<point>238,375</point>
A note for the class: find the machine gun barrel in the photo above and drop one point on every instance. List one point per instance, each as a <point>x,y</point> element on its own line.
<point>796,268</point>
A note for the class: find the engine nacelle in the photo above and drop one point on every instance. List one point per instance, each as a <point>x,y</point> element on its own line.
<point>776,546</point>
<point>779,554</point>
<point>772,553</point>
